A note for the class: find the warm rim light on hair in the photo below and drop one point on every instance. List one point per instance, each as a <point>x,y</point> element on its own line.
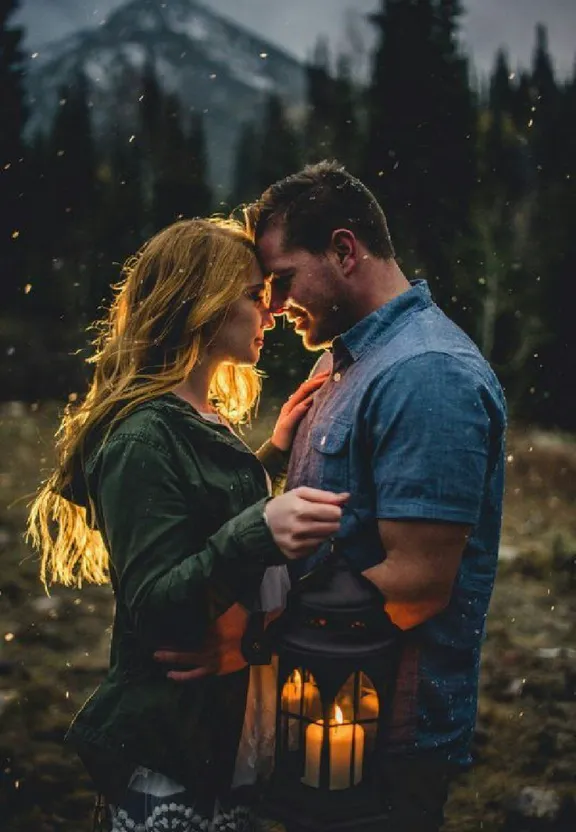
<point>174,295</point>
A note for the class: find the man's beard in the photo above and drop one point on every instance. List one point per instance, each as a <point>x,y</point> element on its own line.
<point>316,337</point>
<point>320,326</point>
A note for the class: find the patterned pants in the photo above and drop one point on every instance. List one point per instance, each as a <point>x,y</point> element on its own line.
<point>153,803</point>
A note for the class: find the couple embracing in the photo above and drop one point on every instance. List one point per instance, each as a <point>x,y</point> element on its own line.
<point>156,492</point>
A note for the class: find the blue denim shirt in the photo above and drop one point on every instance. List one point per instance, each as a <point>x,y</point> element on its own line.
<point>412,423</point>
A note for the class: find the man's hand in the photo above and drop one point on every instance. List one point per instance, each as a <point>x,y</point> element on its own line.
<point>303,518</point>
<point>294,410</point>
<point>221,652</point>
<point>422,561</point>
<point>205,662</point>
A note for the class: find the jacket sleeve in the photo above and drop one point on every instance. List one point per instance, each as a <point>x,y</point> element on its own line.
<point>275,462</point>
<point>149,525</point>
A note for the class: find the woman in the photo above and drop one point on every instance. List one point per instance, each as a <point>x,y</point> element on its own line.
<point>155,492</point>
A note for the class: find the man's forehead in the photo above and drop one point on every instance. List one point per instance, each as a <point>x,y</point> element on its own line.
<point>271,252</point>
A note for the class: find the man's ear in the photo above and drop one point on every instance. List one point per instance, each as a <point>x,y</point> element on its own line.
<point>345,247</point>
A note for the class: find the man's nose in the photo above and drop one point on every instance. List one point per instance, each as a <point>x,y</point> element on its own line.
<point>278,301</point>
<point>268,321</point>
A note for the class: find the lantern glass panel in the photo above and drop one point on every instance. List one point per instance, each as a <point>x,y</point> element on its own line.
<point>358,698</point>
<point>359,704</point>
<point>300,704</point>
<point>369,707</point>
<point>300,695</point>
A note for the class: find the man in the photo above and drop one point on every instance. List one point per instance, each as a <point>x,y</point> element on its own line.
<point>411,422</point>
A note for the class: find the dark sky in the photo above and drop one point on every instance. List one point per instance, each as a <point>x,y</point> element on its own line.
<point>296,24</point>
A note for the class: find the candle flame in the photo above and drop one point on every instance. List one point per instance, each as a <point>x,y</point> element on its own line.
<point>338,715</point>
<point>296,682</point>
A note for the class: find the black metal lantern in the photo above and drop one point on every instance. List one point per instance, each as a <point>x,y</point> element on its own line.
<point>338,655</point>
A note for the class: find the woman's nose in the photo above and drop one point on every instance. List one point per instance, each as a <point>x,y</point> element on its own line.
<point>268,321</point>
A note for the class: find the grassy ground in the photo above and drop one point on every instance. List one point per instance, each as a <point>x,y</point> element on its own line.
<point>53,649</point>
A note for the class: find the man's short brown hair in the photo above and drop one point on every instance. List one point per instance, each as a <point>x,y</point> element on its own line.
<point>314,202</point>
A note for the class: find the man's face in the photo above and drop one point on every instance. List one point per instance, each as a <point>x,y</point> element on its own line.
<point>305,288</point>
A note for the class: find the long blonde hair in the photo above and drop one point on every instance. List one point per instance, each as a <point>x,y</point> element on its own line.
<point>174,295</point>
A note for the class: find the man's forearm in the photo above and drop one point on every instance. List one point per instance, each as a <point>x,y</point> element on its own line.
<point>411,596</point>
<point>419,568</point>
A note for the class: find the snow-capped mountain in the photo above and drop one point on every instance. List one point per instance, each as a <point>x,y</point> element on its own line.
<point>216,67</point>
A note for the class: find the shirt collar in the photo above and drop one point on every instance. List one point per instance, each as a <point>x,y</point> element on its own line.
<point>381,324</point>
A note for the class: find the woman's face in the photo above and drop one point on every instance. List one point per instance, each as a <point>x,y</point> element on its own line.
<point>241,336</point>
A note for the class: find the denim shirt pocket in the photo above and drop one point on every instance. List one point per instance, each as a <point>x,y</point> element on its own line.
<point>330,447</point>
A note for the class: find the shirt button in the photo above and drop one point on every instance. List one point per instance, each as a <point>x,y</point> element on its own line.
<point>323,441</point>
<point>337,376</point>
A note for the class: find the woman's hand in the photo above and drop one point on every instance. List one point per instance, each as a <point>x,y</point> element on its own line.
<point>294,410</point>
<point>303,518</point>
<point>299,521</point>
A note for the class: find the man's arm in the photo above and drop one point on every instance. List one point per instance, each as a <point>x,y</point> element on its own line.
<point>428,427</point>
<point>422,561</point>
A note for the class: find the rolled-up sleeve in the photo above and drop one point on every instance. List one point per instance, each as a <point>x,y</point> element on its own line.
<point>430,452</point>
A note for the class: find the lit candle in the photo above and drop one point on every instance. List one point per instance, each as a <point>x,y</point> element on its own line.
<point>292,693</point>
<point>296,694</point>
<point>341,739</point>
<point>295,690</point>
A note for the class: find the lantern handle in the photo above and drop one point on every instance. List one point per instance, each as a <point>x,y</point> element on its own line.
<point>315,575</point>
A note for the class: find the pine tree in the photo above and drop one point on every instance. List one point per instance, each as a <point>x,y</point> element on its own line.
<point>506,162</point>
<point>62,257</point>
<point>455,119</point>
<point>331,129</point>
<point>544,111</point>
<point>180,167</point>
<point>553,143</point>
<point>347,133</point>
<point>502,210</point>
<point>174,160</point>
<point>170,166</point>
<point>321,106</point>
<point>74,197</point>
<point>13,240</point>
<point>398,110</point>
<point>121,221</point>
<point>42,231</point>
<point>522,101</point>
<point>420,151</point>
<point>149,138</point>
<point>196,161</point>
<point>279,145</point>
<point>73,165</point>
<point>500,91</point>
<point>245,182</point>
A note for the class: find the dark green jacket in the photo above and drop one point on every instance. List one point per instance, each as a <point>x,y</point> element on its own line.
<point>179,502</point>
